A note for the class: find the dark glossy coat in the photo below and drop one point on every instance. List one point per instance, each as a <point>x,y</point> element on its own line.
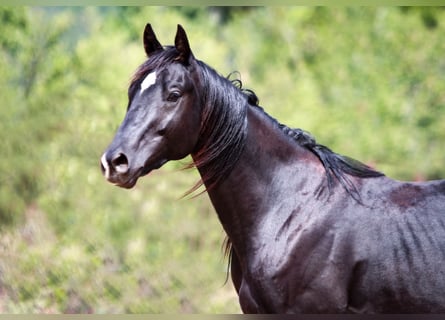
<point>310,231</point>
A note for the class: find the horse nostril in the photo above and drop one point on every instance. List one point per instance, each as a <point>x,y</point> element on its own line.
<point>120,163</point>
<point>161,132</point>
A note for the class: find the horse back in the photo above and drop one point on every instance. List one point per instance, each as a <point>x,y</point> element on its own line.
<point>399,246</point>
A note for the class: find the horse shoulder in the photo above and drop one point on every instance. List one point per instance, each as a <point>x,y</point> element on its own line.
<point>310,257</point>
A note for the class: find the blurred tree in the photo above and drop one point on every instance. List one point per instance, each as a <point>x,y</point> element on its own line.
<point>14,22</point>
<point>33,66</point>
<point>428,15</point>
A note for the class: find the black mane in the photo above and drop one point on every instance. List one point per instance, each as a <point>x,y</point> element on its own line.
<point>223,130</point>
<point>337,166</point>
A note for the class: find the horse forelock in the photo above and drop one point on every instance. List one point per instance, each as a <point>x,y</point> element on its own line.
<point>155,62</point>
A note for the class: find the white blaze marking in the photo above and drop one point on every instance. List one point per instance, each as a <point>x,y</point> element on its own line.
<point>149,80</point>
<point>105,165</point>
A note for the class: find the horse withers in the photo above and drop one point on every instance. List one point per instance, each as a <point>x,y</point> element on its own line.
<point>309,230</point>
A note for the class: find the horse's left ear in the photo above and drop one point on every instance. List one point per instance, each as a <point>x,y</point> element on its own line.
<point>182,45</point>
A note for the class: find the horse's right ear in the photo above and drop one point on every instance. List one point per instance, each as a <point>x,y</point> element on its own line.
<point>151,43</point>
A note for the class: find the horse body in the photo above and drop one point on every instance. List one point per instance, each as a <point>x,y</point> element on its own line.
<point>294,244</point>
<point>310,230</point>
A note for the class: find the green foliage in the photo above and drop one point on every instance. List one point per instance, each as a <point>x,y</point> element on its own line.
<point>367,82</point>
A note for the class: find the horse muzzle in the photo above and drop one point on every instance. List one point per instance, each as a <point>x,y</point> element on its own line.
<point>115,168</point>
<point>117,171</point>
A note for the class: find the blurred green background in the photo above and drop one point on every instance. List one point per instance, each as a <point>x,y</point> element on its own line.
<point>367,82</point>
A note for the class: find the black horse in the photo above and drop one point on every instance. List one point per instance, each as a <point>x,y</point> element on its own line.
<point>310,230</point>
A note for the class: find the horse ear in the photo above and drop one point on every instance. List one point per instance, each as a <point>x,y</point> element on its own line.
<point>151,43</point>
<point>182,45</point>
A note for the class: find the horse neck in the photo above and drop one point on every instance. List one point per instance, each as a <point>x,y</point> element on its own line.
<point>264,173</point>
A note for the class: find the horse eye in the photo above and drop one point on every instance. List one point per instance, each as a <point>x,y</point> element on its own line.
<point>174,96</point>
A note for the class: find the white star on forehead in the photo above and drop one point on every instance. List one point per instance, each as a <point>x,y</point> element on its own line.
<point>149,80</point>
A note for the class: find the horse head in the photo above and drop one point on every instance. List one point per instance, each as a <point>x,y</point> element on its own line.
<point>163,117</point>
